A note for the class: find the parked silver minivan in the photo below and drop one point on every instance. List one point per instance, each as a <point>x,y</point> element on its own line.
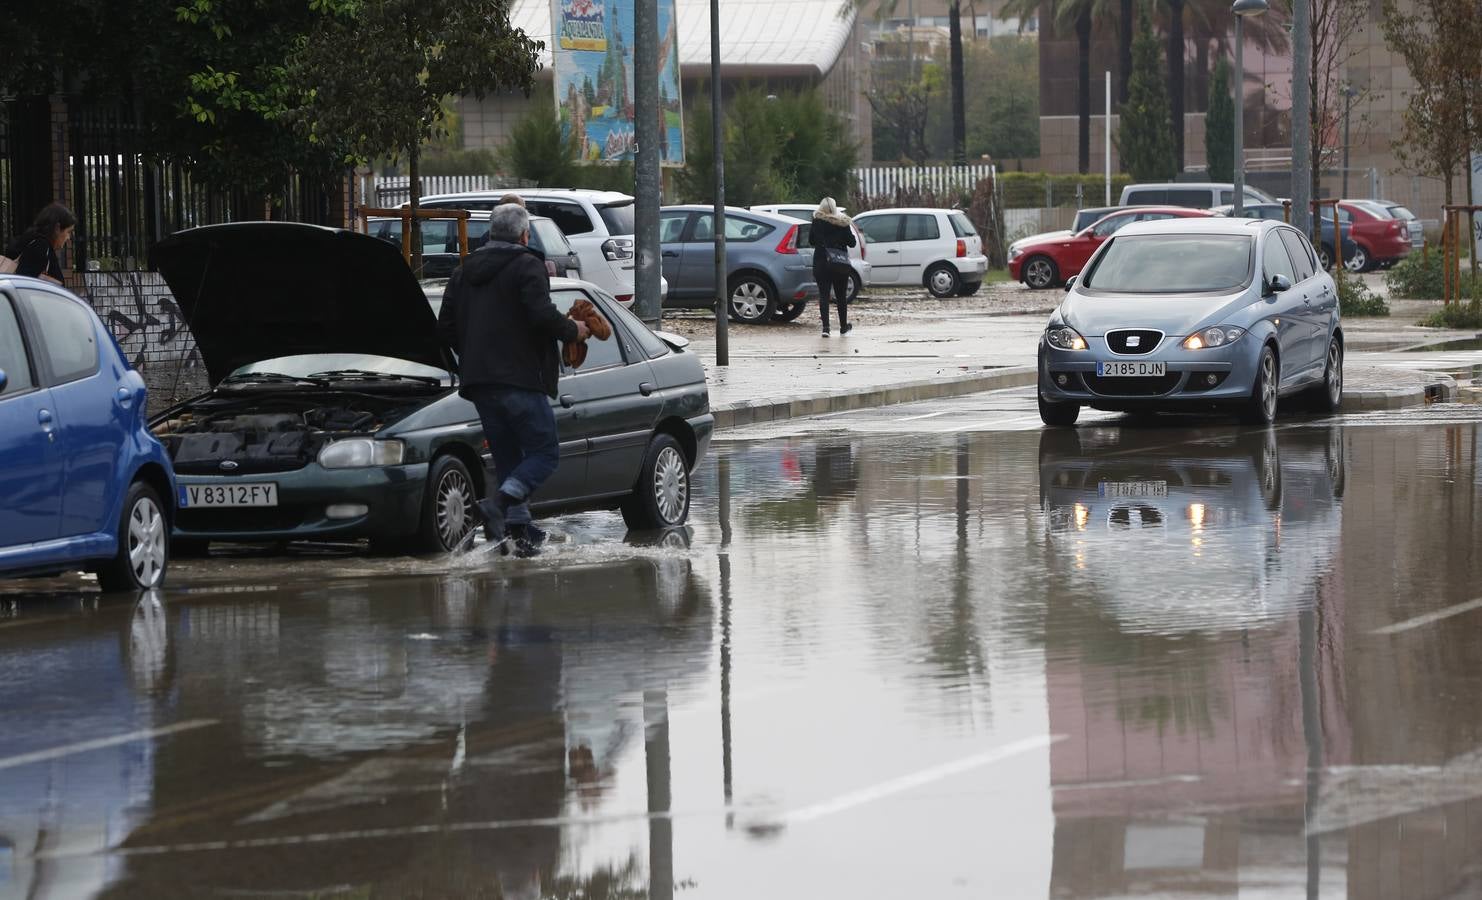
<point>1197,195</point>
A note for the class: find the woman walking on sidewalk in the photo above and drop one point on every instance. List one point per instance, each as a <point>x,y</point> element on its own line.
<point>832,235</point>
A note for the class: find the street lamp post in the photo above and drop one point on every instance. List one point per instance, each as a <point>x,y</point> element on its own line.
<point>1241,9</point>
<point>1349,92</point>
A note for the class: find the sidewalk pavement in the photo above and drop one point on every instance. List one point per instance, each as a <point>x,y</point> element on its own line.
<point>946,350</point>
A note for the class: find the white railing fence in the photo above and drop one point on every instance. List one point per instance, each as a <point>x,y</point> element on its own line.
<point>392,190</point>
<point>888,181</point>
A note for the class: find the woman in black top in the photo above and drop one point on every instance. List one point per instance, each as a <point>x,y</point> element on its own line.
<point>831,229</point>
<point>37,250</point>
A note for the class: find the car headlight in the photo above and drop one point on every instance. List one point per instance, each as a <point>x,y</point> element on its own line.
<point>1015,253</point>
<point>1218,336</point>
<point>359,453</point>
<point>1063,337</point>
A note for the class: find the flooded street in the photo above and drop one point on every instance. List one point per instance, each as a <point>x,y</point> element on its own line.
<point>891,657</point>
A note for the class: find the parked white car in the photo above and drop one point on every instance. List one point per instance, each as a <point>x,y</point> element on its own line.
<point>858,254</point>
<point>936,248</point>
<point>599,225</point>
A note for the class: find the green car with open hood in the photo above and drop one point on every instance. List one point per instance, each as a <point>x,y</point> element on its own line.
<point>334,413</point>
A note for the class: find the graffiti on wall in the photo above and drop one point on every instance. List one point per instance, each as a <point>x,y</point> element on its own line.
<point>141,312</point>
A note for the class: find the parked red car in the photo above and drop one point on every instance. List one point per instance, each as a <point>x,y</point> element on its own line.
<point>1382,239</point>
<point>1047,263</point>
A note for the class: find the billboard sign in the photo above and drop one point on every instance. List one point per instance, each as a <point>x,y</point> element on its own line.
<point>592,58</point>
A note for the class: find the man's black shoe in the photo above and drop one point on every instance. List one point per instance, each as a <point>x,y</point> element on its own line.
<point>527,540</point>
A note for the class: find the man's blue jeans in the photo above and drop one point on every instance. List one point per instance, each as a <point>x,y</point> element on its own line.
<point>521,430</point>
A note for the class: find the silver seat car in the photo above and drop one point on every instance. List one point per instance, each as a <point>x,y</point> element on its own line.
<point>1194,313</point>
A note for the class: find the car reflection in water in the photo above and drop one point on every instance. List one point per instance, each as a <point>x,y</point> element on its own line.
<point>1194,660</point>
<point>408,705</point>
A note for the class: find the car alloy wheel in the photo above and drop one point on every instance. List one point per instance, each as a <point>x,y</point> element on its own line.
<point>1334,373</point>
<point>854,286</point>
<point>1039,273</point>
<point>943,281</point>
<point>147,542</point>
<point>749,301</point>
<point>1324,257</point>
<point>454,511</point>
<point>1358,262</point>
<point>671,485</point>
<point>1268,386</point>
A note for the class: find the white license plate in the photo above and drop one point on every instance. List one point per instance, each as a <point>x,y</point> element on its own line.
<point>261,493</point>
<point>1119,489</point>
<point>1139,369</point>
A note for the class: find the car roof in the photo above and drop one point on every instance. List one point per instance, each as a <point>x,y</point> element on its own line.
<point>598,197</point>
<point>479,214</point>
<point>1199,225</point>
<point>921,210</point>
<point>1196,185</point>
<point>733,210</point>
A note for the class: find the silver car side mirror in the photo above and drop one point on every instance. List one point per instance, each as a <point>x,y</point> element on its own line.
<point>1070,283</point>
<point>4,380</point>
<point>1279,284</point>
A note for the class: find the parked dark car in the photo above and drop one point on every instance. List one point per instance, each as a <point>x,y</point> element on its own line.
<point>440,243</point>
<point>334,412</point>
<point>1276,212</point>
<point>83,484</point>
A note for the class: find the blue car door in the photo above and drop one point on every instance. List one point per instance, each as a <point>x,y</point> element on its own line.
<point>31,461</point>
<point>671,252</point>
<point>1293,330</point>
<point>93,412</point>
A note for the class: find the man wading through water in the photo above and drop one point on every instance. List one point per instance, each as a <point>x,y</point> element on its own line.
<point>498,316</point>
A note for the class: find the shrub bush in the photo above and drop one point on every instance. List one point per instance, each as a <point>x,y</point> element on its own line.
<point>1417,278</point>
<point>1026,190</point>
<point>1355,300</point>
<point>1460,316</point>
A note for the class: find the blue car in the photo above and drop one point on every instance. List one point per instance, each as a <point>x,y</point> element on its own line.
<point>83,483</point>
<point>1194,313</point>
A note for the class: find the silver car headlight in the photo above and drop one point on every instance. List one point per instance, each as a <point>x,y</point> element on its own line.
<point>360,453</point>
<point>1015,253</point>
<point>1063,337</point>
<point>1218,336</point>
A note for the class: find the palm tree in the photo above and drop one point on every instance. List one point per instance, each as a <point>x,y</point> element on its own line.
<point>1081,14</point>
<point>883,9</point>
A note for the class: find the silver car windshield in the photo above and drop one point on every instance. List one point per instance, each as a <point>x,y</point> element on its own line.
<point>1172,264</point>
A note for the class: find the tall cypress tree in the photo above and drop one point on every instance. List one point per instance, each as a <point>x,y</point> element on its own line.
<point>1145,135</point>
<point>1219,126</point>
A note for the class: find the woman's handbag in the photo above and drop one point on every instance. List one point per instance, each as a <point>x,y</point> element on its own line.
<point>838,261</point>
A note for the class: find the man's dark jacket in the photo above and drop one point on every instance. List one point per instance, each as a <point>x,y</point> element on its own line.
<point>498,317</point>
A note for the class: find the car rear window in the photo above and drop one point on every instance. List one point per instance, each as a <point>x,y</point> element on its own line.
<point>1192,197</point>
<point>922,228</point>
<point>569,217</point>
<point>1171,264</point>
<point>67,337</point>
<point>1147,197</point>
<point>880,229</point>
<point>1400,212</point>
<point>13,359</point>
<point>618,217</point>
<point>961,226</point>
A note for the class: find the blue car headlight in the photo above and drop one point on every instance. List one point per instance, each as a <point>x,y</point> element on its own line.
<point>360,453</point>
<point>1218,336</point>
<point>1063,337</point>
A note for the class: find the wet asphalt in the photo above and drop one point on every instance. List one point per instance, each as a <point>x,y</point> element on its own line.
<point>928,651</point>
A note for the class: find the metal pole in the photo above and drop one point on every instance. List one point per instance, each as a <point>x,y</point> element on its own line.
<point>1347,109</point>
<point>1302,185</point>
<point>1239,160</point>
<point>717,143</point>
<point>646,114</point>
<point>1107,141</point>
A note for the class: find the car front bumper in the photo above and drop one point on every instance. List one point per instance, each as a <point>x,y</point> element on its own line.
<point>391,495</point>
<point>1186,383</point>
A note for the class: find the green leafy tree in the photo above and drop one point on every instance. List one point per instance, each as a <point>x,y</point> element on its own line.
<point>1219,126</point>
<point>538,150</point>
<point>902,110</point>
<point>1145,136</point>
<point>422,52</point>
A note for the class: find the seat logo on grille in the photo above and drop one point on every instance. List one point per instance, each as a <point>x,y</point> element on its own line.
<point>1133,341</point>
<point>228,465</point>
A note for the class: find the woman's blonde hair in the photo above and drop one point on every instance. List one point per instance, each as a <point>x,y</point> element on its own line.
<point>828,207</point>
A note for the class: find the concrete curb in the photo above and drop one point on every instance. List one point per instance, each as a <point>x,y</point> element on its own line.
<point>1439,389</point>
<point>750,412</point>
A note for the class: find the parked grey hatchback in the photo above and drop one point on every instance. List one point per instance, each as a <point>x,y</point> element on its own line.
<point>1194,313</point>
<point>767,274</point>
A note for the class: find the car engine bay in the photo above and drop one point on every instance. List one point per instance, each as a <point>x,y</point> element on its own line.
<point>271,435</point>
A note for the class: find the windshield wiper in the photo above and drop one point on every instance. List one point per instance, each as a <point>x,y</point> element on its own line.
<point>271,378</point>
<point>364,375</point>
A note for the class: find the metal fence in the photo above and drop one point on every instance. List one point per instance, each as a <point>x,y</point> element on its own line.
<point>392,190</point>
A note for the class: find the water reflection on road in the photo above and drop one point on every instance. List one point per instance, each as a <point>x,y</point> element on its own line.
<point>1118,661</point>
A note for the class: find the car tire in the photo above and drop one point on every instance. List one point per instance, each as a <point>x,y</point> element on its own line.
<point>855,286</point>
<point>1260,407</point>
<point>943,281</point>
<point>788,312</point>
<point>967,290</point>
<point>661,498</point>
<point>1058,415</point>
<point>1325,257</point>
<point>1359,261</point>
<point>143,544</point>
<point>1041,273</point>
<point>448,506</point>
<point>751,299</point>
<point>1328,397</point>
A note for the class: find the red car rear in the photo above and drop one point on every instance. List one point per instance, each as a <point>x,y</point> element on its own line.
<point>1045,264</point>
<point>1381,238</point>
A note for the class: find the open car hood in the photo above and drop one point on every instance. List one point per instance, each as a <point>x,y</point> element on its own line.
<point>252,291</point>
